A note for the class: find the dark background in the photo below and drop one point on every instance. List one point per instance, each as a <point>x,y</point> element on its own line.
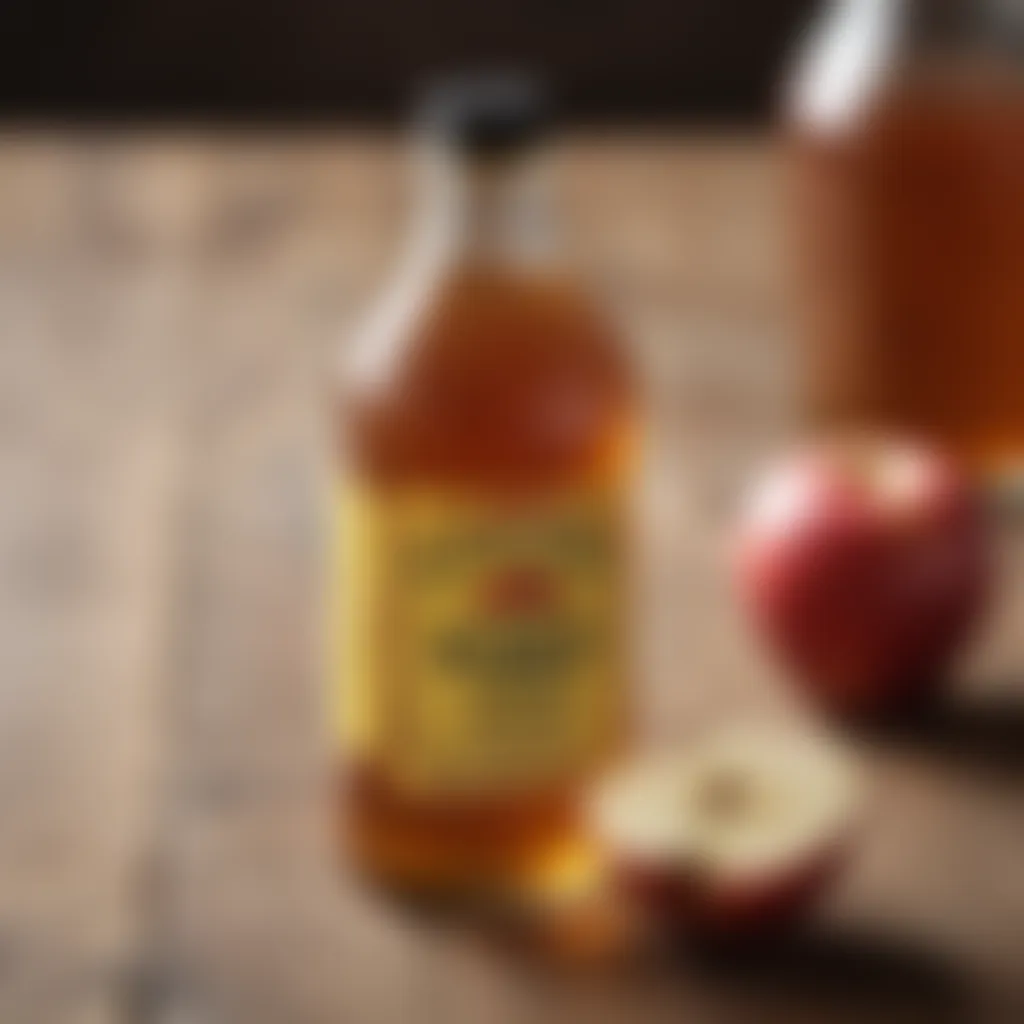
<point>294,59</point>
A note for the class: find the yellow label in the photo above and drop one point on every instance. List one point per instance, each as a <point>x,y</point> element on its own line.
<point>483,638</point>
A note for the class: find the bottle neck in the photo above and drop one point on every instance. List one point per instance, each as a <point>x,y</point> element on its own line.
<point>494,212</point>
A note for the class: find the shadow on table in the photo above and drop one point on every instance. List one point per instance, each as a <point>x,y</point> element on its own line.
<point>825,973</point>
<point>983,736</point>
<point>868,973</point>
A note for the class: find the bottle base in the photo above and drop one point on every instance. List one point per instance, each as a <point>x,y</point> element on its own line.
<point>521,857</point>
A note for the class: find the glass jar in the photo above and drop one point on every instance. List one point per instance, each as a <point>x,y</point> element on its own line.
<point>906,119</point>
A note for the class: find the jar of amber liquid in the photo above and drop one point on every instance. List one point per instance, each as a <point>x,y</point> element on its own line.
<point>488,425</point>
<point>908,117</point>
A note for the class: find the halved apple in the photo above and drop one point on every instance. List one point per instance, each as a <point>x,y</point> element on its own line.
<point>739,832</point>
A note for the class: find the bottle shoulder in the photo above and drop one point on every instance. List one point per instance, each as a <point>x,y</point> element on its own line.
<point>492,372</point>
<point>476,326</point>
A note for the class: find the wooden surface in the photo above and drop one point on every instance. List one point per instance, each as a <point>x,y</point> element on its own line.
<point>168,313</point>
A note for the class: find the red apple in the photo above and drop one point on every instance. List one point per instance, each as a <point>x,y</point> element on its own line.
<point>737,834</point>
<point>865,565</point>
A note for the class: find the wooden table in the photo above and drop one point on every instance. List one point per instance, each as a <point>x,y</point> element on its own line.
<point>169,309</point>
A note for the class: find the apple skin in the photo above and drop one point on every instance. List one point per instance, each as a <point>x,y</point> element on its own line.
<point>731,908</point>
<point>866,571</point>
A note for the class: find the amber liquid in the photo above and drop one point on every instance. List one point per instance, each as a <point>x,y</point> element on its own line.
<point>913,238</point>
<point>510,385</point>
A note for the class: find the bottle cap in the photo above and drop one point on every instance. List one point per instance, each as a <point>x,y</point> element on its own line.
<point>486,114</point>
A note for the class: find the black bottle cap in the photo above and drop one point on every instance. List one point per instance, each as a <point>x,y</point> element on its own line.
<point>486,114</point>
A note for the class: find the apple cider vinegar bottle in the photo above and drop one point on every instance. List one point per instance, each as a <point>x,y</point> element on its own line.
<point>489,427</point>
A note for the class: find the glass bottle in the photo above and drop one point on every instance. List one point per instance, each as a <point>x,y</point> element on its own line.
<point>907,121</point>
<point>489,428</point>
